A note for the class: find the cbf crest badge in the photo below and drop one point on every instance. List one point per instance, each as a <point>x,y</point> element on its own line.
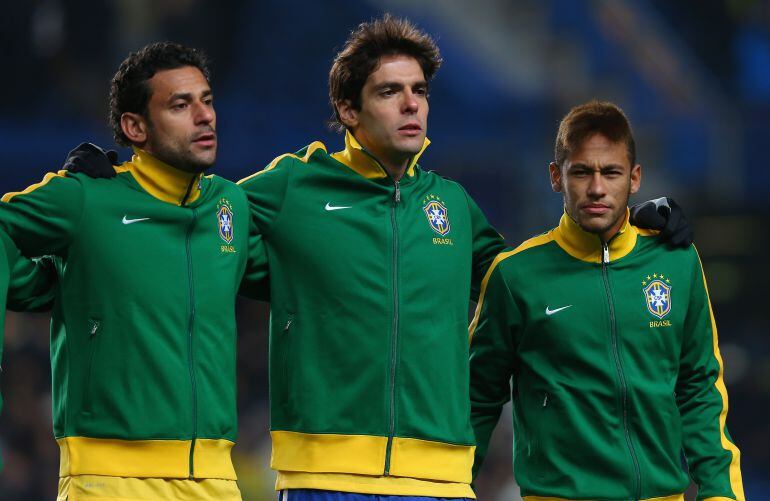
<point>657,294</point>
<point>225,220</point>
<point>436,211</point>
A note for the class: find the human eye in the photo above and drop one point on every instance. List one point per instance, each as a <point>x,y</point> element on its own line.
<point>179,105</point>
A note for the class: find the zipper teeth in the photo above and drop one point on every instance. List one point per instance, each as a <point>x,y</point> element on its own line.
<point>190,355</point>
<point>394,340</point>
<point>619,369</point>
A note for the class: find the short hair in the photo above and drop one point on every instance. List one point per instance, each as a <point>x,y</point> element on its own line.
<point>130,90</point>
<point>594,117</point>
<point>362,52</point>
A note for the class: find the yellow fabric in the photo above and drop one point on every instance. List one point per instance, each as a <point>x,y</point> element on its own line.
<point>46,179</point>
<point>161,180</point>
<point>585,246</point>
<point>361,454</point>
<point>527,244</point>
<point>364,164</point>
<point>107,488</point>
<point>346,459</point>
<point>145,458</point>
<point>312,148</point>
<point>736,481</point>
<point>675,497</point>
<point>414,458</point>
<point>363,484</point>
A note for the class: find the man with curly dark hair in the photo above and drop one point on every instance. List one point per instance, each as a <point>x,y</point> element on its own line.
<point>149,264</point>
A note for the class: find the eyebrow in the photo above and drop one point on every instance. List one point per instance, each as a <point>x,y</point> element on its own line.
<point>602,168</point>
<point>188,96</point>
<point>399,85</point>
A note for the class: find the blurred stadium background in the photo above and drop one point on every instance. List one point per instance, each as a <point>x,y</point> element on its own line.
<point>693,76</point>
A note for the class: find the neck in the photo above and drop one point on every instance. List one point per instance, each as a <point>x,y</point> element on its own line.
<point>607,235</point>
<point>395,170</point>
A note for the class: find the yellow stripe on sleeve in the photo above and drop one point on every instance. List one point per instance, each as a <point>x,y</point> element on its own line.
<point>527,244</point>
<point>51,175</point>
<point>736,482</point>
<point>312,148</point>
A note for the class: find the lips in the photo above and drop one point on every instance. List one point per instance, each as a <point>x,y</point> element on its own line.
<point>595,209</point>
<point>410,129</point>
<point>207,139</point>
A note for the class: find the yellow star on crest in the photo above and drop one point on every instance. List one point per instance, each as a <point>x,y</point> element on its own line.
<point>648,277</point>
<point>655,275</point>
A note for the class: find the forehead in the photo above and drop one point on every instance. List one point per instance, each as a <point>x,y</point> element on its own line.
<point>187,79</point>
<point>597,150</point>
<point>396,68</point>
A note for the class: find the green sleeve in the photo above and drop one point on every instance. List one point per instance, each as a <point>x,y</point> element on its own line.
<point>255,283</point>
<point>266,191</point>
<point>712,457</point>
<point>487,243</point>
<point>31,285</point>
<point>43,219</point>
<point>491,358</point>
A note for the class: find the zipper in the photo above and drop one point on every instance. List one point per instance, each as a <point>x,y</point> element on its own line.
<point>188,192</point>
<point>619,368</point>
<point>190,330</point>
<point>285,361</point>
<point>93,332</point>
<point>394,338</point>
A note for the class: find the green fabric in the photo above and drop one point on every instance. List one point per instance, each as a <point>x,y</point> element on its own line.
<point>369,304</point>
<point>24,285</point>
<point>573,377</point>
<point>143,328</point>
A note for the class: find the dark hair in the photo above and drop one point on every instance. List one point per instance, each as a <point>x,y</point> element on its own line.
<point>129,90</point>
<point>594,117</point>
<point>362,52</point>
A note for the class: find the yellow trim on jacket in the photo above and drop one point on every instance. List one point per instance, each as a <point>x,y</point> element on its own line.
<point>355,156</point>
<point>585,246</point>
<point>145,458</point>
<point>736,480</point>
<point>527,244</point>
<point>46,179</point>
<point>107,488</point>
<point>348,462</point>
<point>312,148</point>
<point>161,180</point>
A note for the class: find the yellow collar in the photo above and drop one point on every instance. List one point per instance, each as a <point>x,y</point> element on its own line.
<point>588,246</point>
<point>364,163</point>
<point>161,180</point>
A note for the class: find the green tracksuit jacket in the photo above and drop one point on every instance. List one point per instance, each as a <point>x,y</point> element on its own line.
<point>370,286</point>
<point>615,369</point>
<point>143,329</point>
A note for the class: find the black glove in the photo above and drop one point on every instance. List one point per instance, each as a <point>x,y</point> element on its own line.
<point>92,161</point>
<point>663,214</point>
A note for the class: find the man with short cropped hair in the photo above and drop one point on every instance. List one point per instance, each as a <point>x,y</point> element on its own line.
<point>149,263</point>
<point>608,338</point>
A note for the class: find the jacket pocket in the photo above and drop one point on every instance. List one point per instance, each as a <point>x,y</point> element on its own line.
<point>542,414</point>
<point>285,360</point>
<point>94,334</point>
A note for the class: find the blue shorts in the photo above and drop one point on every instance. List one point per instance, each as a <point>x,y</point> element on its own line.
<point>313,495</point>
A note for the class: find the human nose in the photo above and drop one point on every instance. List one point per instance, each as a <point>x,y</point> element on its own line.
<point>204,113</point>
<point>410,105</point>
<point>596,186</point>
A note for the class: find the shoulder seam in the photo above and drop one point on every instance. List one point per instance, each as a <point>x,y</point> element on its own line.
<point>527,244</point>
<point>46,179</point>
<point>312,148</point>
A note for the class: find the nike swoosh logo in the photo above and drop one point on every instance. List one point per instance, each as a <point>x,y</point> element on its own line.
<point>132,221</point>
<point>549,311</point>
<point>329,206</point>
